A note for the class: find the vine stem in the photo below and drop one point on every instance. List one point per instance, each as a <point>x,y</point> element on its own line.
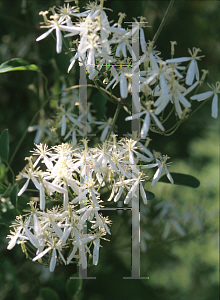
<point>163,21</point>
<point>114,120</point>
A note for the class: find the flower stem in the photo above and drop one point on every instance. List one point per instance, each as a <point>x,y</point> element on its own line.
<point>163,21</point>
<point>114,120</point>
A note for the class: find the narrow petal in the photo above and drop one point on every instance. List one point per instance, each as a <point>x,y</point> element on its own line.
<point>53,261</point>
<point>42,254</point>
<point>123,86</point>
<point>96,252</point>
<point>42,197</point>
<point>146,126</point>
<point>59,40</point>
<point>190,75</point>
<point>178,59</point>
<point>24,187</point>
<point>45,34</point>
<point>202,96</point>
<point>215,106</point>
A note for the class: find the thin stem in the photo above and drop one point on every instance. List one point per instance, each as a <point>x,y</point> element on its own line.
<point>163,21</point>
<point>167,117</point>
<point>114,120</point>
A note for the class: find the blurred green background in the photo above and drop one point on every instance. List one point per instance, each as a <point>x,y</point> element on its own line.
<point>180,266</point>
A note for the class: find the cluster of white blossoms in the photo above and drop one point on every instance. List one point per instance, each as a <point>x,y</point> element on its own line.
<point>106,52</point>
<point>74,176</point>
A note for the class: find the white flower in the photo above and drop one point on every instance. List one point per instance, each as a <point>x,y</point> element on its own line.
<point>193,70</point>
<point>121,78</point>
<point>162,168</point>
<point>147,120</point>
<point>215,91</point>
<point>57,24</point>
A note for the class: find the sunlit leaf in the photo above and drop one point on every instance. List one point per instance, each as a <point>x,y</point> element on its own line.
<point>17,64</point>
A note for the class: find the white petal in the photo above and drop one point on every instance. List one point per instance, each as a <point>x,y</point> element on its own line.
<point>143,194</point>
<point>142,40</point>
<point>215,106</point>
<point>45,34</point>
<point>168,175</point>
<point>123,86</point>
<point>13,241</point>
<point>183,100</point>
<point>96,252</point>
<point>59,40</point>
<point>159,125</point>
<point>202,96</point>
<point>146,126</point>
<point>157,176</point>
<point>42,254</point>
<point>190,75</point>
<point>31,237</point>
<point>72,254</point>
<point>42,197</point>
<point>53,261</point>
<point>57,230</point>
<point>63,122</point>
<point>24,187</point>
<point>178,59</point>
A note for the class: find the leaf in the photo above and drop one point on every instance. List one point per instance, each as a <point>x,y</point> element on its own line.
<point>181,179</point>
<point>2,171</point>
<point>14,195</point>
<point>17,64</point>
<point>4,145</point>
<point>5,192</point>
<point>150,196</point>
<point>48,294</point>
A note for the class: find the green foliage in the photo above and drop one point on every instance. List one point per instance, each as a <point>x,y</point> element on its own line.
<point>181,179</point>
<point>4,145</point>
<point>17,64</point>
<point>150,195</point>
<point>13,195</point>
<point>73,287</point>
<point>48,294</point>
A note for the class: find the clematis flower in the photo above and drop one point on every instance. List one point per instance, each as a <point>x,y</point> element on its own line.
<point>193,70</point>
<point>203,96</point>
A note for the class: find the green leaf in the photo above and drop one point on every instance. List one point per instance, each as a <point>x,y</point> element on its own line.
<point>4,145</point>
<point>5,191</point>
<point>48,294</point>
<point>17,64</point>
<point>2,171</point>
<point>14,195</point>
<point>181,179</point>
<point>150,196</point>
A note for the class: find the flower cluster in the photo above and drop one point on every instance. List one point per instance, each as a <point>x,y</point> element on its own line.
<point>106,53</point>
<point>74,177</point>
